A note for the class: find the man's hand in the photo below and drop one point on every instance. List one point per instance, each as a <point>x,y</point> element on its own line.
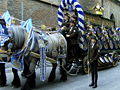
<point>63,28</point>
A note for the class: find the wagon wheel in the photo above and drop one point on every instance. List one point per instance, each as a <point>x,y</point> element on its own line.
<point>86,67</point>
<point>115,59</point>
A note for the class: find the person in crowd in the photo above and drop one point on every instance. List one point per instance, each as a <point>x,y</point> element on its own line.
<point>66,20</point>
<point>74,18</point>
<point>65,25</point>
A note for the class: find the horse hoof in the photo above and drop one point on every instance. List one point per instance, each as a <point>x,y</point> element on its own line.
<point>16,86</point>
<point>3,85</point>
<point>50,80</point>
<point>32,86</point>
<point>63,79</point>
<point>26,87</point>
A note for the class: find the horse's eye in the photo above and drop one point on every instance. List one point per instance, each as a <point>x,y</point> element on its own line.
<point>10,45</point>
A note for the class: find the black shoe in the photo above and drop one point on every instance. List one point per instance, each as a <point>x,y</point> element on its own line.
<point>95,86</point>
<point>92,84</point>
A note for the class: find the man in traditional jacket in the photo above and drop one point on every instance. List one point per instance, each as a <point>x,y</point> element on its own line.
<point>73,42</point>
<point>73,34</point>
<point>93,55</point>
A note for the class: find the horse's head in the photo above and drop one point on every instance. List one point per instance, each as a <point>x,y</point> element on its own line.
<point>13,41</point>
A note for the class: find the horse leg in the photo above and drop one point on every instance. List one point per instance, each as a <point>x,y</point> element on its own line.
<point>26,70</point>
<point>16,80</point>
<point>2,75</point>
<point>30,82</point>
<point>52,74</point>
<point>31,76</point>
<point>62,70</point>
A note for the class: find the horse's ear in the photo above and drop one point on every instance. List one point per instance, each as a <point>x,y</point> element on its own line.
<point>10,46</point>
<point>2,22</point>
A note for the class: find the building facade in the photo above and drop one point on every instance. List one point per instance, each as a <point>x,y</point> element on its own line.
<point>45,11</point>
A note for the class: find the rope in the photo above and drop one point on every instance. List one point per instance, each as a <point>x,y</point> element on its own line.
<point>68,71</point>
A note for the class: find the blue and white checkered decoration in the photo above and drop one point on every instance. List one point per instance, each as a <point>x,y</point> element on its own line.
<point>77,6</point>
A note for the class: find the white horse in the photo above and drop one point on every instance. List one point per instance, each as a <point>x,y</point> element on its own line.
<point>56,49</point>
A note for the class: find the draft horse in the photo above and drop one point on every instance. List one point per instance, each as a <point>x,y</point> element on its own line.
<point>56,49</point>
<point>16,80</point>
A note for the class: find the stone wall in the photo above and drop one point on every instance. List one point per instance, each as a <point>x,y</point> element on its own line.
<point>112,8</point>
<point>41,13</point>
<point>3,6</point>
